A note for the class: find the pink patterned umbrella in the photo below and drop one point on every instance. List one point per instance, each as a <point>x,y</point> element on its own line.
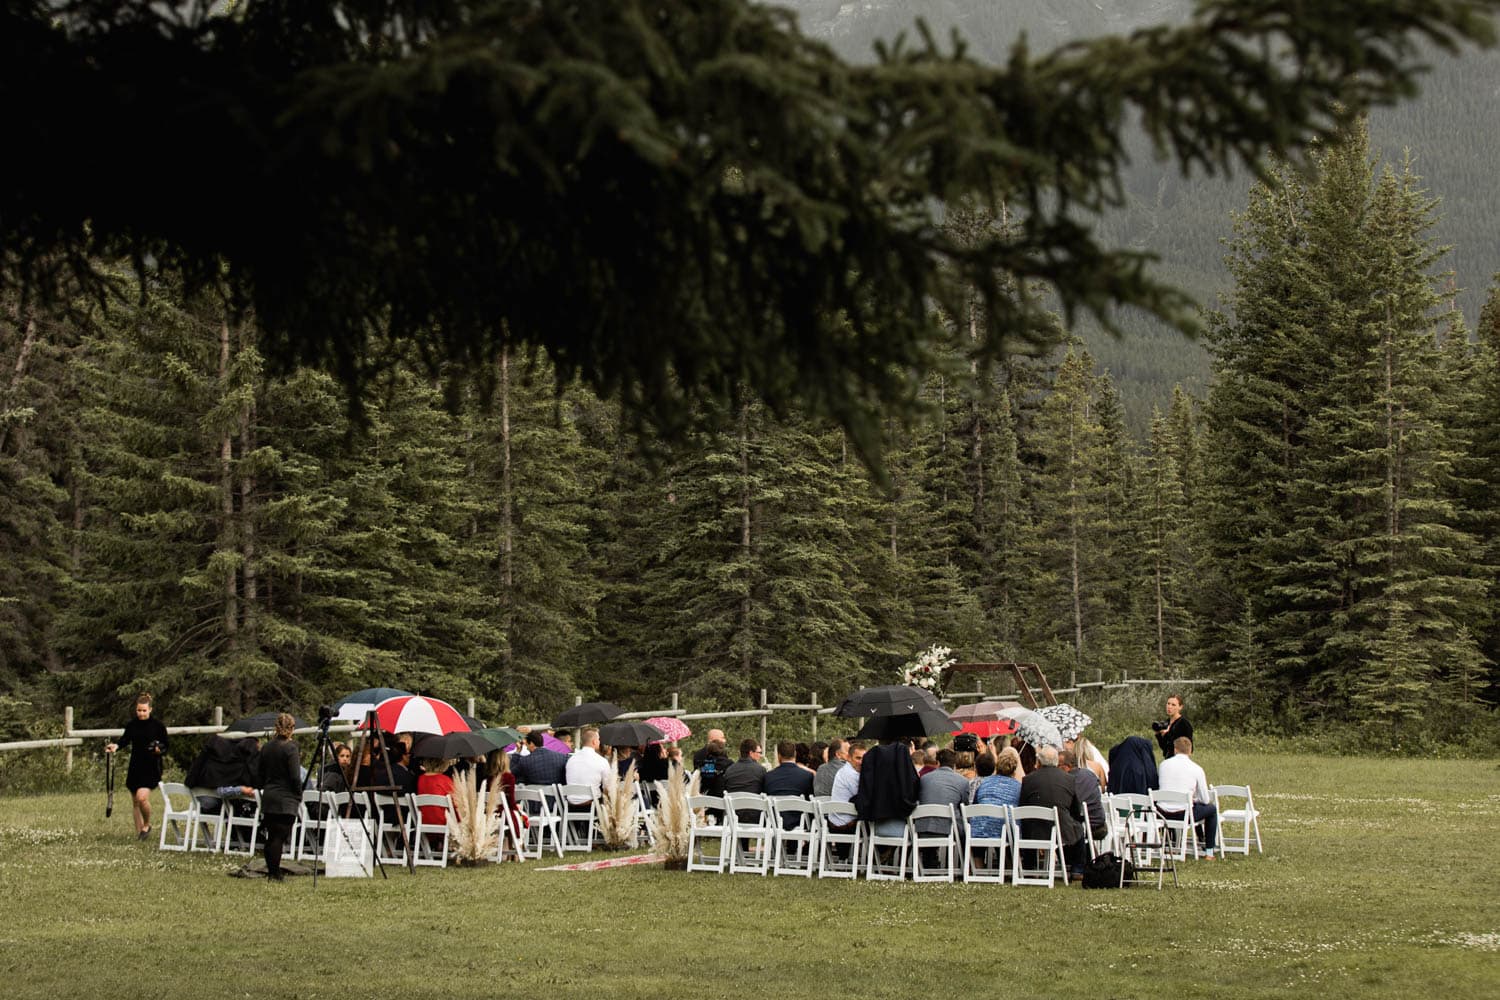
<point>415,714</point>
<point>671,729</point>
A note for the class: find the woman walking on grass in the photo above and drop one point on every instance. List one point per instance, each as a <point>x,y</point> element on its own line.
<point>147,739</point>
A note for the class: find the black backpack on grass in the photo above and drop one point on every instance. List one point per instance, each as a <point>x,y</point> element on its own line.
<point>1104,872</point>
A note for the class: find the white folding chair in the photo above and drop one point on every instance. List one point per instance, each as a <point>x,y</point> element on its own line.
<point>886,856</point>
<point>579,818</point>
<point>393,827</point>
<point>543,822</point>
<point>247,825</point>
<point>512,833</point>
<point>706,830</point>
<point>1176,812</point>
<point>1047,848</point>
<point>945,843</point>
<point>795,822</point>
<point>1144,845</point>
<point>1246,816</point>
<point>431,840</point>
<point>313,812</point>
<point>984,858</point>
<point>833,861</point>
<point>752,833</point>
<point>176,820</point>
<point>206,830</point>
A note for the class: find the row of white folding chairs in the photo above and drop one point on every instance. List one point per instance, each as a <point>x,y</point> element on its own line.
<point>186,826</point>
<point>1166,818</point>
<point>791,836</point>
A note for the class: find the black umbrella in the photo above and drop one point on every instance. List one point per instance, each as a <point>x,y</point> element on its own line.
<point>474,724</point>
<point>892,699</point>
<point>588,712</point>
<point>908,725</point>
<point>453,745</point>
<point>630,733</point>
<point>260,722</point>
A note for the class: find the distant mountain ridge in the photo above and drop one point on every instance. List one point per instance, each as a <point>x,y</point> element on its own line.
<point>1452,129</point>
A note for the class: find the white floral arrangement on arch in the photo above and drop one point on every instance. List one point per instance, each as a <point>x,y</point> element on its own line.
<point>927,670</point>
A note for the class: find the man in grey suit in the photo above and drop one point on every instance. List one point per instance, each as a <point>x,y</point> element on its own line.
<point>1049,785</point>
<point>944,787</point>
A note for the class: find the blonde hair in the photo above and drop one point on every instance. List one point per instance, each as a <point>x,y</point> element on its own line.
<point>285,725</point>
<point>1008,762</point>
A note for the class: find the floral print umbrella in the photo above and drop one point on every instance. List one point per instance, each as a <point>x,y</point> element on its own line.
<point>1068,720</point>
<point>1039,732</point>
<point>671,729</point>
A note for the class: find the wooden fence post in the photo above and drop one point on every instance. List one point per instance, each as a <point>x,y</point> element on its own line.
<point>817,705</point>
<point>67,729</point>
<point>763,702</point>
<point>218,715</point>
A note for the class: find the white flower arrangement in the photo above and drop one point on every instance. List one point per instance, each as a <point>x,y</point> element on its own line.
<point>927,670</point>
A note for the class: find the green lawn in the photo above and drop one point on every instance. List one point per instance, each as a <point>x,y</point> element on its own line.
<point>1378,880</point>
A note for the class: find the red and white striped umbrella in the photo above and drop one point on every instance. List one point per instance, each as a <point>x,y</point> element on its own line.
<point>413,713</point>
<point>671,729</point>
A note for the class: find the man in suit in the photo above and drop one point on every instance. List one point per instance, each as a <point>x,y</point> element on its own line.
<point>1048,785</point>
<point>838,759</point>
<point>747,774</point>
<point>788,778</point>
<point>541,766</point>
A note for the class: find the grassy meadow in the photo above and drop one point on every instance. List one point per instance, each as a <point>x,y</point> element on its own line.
<point>1378,880</point>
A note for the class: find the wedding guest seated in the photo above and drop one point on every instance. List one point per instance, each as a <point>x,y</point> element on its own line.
<point>435,781</point>
<point>1087,786</point>
<point>222,763</point>
<point>501,776</point>
<point>652,763</point>
<point>944,787</point>
<point>339,775</point>
<point>788,778</point>
<point>999,787</point>
<point>1050,786</point>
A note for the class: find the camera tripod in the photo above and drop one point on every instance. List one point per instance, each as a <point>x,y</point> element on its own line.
<point>373,736</point>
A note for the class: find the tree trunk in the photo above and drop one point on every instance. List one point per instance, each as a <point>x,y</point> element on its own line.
<point>507,523</point>
<point>226,511</point>
<point>249,575</point>
<point>28,340</point>
<point>746,605</point>
<point>1073,541</point>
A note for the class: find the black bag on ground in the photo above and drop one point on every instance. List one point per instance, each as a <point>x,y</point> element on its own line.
<point>1104,872</point>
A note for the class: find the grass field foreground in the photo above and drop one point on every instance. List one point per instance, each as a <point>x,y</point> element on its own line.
<point>1377,880</point>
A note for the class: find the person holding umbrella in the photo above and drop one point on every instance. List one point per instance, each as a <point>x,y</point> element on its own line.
<point>147,739</point>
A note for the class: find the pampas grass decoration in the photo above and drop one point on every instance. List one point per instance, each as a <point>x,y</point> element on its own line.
<point>475,833</point>
<point>672,823</point>
<point>618,822</point>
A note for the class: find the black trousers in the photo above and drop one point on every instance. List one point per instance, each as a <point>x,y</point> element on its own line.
<point>278,832</point>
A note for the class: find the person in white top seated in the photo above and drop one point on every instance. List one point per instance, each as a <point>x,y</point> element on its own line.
<point>1180,773</point>
<point>586,765</point>
<point>846,782</point>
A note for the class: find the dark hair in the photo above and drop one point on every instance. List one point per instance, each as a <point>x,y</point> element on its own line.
<point>946,757</point>
<point>818,753</point>
<point>835,745</point>
<point>985,765</point>
<point>853,745</point>
<point>536,738</point>
<point>787,750</point>
<point>801,753</point>
<point>747,747</point>
<point>144,698</point>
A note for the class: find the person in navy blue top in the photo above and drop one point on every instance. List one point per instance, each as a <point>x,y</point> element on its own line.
<point>541,766</point>
<point>788,778</point>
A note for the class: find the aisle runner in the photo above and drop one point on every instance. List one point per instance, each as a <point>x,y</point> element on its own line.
<point>594,866</point>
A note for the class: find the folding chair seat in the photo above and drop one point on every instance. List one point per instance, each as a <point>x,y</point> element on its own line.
<point>886,856</point>
<point>392,815</point>
<point>206,830</point>
<point>984,858</point>
<point>946,868</point>
<point>1046,849</point>
<point>752,831</point>
<point>795,822</point>
<point>1176,812</point>
<point>839,851</point>
<point>579,818</point>
<point>543,823</point>
<point>431,841</point>
<point>1245,816</point>
<point>176,819</point>
<point>241,828</point>
<point>707,830</point>
<point>312,816</point>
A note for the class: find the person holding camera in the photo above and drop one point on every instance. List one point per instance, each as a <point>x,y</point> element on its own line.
<point>1176,727</point>
<point>147,739</point>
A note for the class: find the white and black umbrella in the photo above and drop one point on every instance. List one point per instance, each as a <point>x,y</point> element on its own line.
<point>890,699</point>
<point>1068,720</point>
<point>1038,731</point>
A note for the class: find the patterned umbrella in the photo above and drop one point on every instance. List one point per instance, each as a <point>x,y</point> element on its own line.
<point>1036,730</point>
<point>414,714</point>
<point>1068,720</point>
<point>671,729</point>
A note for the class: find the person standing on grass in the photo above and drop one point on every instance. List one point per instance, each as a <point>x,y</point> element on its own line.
<point>147,739</point>
<point>1176,727</point>
<point>280,766</point>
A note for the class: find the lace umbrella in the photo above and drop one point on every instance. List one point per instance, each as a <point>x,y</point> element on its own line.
<point>1039,732</point>
<point>1068,720</point>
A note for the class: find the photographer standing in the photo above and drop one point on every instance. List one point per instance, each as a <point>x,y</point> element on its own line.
<point>280,783</point>
<point>147,739</point>
<point>1176,726</point>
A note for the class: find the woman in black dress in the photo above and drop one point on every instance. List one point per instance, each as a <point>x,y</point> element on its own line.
<point>280,784</point>
<point>147,739</point>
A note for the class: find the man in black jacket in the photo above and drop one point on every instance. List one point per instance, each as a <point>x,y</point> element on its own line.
<point>1049,785</point>
<point>788,778</point>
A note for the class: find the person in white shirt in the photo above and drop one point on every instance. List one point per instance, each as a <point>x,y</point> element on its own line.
<point>586,766</point>
<point>1180,773</point>
<point>846,782</point>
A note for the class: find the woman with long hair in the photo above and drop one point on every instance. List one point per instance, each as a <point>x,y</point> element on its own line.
<point>280,781</point>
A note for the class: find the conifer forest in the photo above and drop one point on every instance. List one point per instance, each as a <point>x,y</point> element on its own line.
<point>190,507</point>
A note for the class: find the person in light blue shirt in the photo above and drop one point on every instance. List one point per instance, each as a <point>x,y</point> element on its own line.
<point>999,788</point>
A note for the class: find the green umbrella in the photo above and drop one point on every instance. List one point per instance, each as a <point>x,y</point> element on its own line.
<point>501,736</point>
